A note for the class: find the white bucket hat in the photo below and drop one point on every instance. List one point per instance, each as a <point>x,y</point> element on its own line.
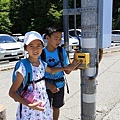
<point>32,35</point>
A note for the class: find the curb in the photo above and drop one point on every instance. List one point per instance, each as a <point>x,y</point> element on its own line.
<point>7,68</point>
<point>105,51</point>
<point>111,50</point>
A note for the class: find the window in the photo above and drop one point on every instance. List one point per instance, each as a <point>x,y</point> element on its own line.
<point>115,32</point>
<point>6,39</point>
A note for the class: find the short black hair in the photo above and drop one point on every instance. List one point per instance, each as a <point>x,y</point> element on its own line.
<point>52,29</point>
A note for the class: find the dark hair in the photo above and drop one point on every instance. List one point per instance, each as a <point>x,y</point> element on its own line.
<point>52,29</point>
<point>25,47</point>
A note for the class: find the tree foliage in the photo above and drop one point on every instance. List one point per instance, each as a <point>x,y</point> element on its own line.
<point>20,16</point>
<point>5,23</point>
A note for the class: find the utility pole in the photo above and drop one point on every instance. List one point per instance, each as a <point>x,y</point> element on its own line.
<point>89,27</point>
<point>96,24</point>
<point>66,26</point>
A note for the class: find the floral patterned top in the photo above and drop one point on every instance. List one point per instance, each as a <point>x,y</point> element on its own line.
<point>40,88</point>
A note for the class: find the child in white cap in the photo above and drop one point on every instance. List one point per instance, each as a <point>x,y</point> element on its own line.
<point>33,44</point>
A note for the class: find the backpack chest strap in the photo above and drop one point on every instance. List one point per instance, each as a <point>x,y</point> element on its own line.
<point>54,80</point>
<point>43,78</point>
<point>30,82</point>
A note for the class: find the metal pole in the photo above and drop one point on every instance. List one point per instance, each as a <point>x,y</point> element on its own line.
<point>75,17</point>
<point>89,25</point>
<point>66,26</point>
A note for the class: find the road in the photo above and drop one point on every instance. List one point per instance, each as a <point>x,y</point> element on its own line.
<point>108,90</point>
<point>10,105</point>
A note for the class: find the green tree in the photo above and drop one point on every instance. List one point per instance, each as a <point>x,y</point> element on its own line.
<point>40,20</point>
<point>34,14</point>
<point>5,23</point>
<point>46,12</point>
<point>21,14</point>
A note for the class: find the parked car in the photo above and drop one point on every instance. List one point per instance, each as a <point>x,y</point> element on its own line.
<point>78,33</point>
<point>73,42</point>
<point>115,36</point>
<point>10,48</point>
<point>15,36</point>
<point>21,38</point>
<point>72,32</point>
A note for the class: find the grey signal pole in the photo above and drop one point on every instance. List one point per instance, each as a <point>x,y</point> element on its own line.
<point>89,27</point>
<point>66,26</point>
<point>96,25</point>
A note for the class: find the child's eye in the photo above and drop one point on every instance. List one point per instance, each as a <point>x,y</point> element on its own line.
<point>39,46</point>
<point>31,46</point>
<point>58,39</point>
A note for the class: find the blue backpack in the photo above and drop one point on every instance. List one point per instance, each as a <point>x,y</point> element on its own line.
<point>28,77</point>
<point>28,68</point>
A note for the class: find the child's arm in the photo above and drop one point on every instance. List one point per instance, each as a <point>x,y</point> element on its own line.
<point>52,87</point>
<point>15,86</point>
<point>66,68</point>
<point>13,93</point>
<point>73,63</point>
<point>54,69</point>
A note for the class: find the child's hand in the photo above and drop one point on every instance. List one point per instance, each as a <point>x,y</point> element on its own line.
<point>73,65</point>
<point>36,106</point>
<point>53,88</point>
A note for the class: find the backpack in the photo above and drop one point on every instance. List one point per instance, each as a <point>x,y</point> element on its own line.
<point>28,68</point>
<point>60,54</point>
<point>28,77</point>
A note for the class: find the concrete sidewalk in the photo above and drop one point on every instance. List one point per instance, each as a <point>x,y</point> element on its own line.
<point>108,91</point>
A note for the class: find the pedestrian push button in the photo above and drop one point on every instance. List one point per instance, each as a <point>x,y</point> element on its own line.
<point>84,57</point>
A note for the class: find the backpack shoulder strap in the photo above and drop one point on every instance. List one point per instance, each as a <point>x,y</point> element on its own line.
<point>28,68</point>
<point>43,55</point>
<point>15,68</point>
<point>28,77</point>
<point>60,53</point>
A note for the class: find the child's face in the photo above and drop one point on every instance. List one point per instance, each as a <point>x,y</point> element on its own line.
<point>34,48</point>
<point>55,39</point>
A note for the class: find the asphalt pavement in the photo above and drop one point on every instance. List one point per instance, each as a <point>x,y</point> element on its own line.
<point>108,90</point>
<point>107,97</point>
